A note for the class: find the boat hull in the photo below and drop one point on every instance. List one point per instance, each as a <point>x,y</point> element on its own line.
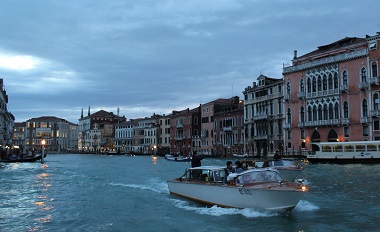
<point>270,198</point>
<point>345,160</point>
<point>24,160</point>
<point>178,158</point>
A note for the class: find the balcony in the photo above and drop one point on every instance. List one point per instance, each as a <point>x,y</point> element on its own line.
<point>343,88</point>
<point>227,128</point>
<point>363,85</point>
<point>301,95</point>
<point>287,97</point>
<point>287,126</point>
<point>364,120</point>
<point>179,125</point>
<point>260,117</point>
<point>374,81</point>
<point>179,138</point>
<point>301,124</point>
<point>260,137</point>
<point>345,121</point>
<point>375,113</point>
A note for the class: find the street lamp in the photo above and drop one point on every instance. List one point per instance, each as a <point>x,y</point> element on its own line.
<point>154,149</point>
<point>43,142</point>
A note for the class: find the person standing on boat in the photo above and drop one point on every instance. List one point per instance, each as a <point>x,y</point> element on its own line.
<point>228,170</point>
<point>196,160</point>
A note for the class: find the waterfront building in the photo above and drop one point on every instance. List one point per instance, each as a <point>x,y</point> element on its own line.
<point>19,134</point>
<point>207,124</point>
<point>185,129</point>
<point>96,132</point>
<point>164,139</point>
<point>124,136</point>
<point>6,119</point>
<point>263,116</point>
<point>145,135</point>
<point>59,134</point>
<point>332,94</point>
<point>229,129</point>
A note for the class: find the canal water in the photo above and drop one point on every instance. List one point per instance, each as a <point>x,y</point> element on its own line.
<point>75,192</point>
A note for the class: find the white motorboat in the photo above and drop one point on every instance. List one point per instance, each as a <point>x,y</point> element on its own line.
<point>240,155</point>
<point>178,158</point>
<point>254,188</point>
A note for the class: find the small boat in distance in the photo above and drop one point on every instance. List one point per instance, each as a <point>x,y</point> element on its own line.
<point>240,155</point>
<point>22,159</point>
<point>362,152</point>
<point>178,158</point>
<point>254,188</point>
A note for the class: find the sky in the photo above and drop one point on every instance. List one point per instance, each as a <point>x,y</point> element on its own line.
<point>156,56</point>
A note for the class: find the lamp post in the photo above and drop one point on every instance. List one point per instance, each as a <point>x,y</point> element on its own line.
<point>154,149</point>
<point>43,142</point>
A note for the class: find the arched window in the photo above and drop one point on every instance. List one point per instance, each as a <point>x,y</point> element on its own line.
<point>302,114</point>
<point>289,116</point>
<point>288,88</point>
<point>302,87</point>
<point>324,82</point>
<point>345,78</point>
<point>330,81</point>
<point>335,81</point>
<point>331,111</point>
<point>363,75</point>
<point>309,85</point>
<point>315,113</point>
<point>325,112</point>
<point>319,84</point>
<point>345,110</point>
<point>374,69</point>
<point>376,101</point>
<point>336,111</point>
<point>314,85</point>
<point>309,114</point>
<point>365,108</point>
<point>319,112</point>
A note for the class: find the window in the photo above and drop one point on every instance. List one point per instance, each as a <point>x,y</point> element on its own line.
<point>365,130</point>
<point>302,134</point>
<point>376,101</point>
<point>324,82</point>
<point>309,85</point>
<point>319,84</point>
<point>288,88</point>
<point>314,85</point>
<point>289,134</point>
<point>345,78</point>
<point>336,111</point>
<point>346,132</point>
<point>363,75</point>
<point>302,114</point>
<point>374,69</point>
<point>319,112</point>
<point>376,125</point>
<point>335,81</point>
<point>330,81</point>
<point>302,87</point>
<point>365,108</point>
<point>345,109</point>
<point>289,116</point>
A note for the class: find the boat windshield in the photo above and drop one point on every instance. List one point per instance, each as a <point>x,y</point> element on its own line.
<point>258,177</point>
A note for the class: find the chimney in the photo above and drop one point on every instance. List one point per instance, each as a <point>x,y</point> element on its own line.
<point>295,54</point>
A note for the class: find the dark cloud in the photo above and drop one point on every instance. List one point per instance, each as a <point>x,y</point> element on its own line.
<point>57,57</point>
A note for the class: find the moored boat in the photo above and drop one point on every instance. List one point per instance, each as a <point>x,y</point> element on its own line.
<point>22,159</point>
<point>254,188</point>
<point>240,155</point>
<point>177,158</point>
<point>363,152</point>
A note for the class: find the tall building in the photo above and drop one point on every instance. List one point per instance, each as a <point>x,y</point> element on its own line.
<point>164,139</point>
<point>229,129</point>
<point>6,119</point>
<point>19,135</point>
<point>96,131</point>
<point>185,131</point>
<point>332,94</point>
<point>263,116</point>
<point>59,134</point>
<point>207,124</point>
<point>124,136</point>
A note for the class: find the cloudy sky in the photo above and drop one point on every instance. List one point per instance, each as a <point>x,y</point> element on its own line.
<point>155,56</point>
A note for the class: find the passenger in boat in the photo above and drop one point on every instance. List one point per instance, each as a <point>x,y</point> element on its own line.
<point>245,166</point>
<point>265,164</point>
<point>228,170</point>
<point>196,160</point>
<point>238,167</point>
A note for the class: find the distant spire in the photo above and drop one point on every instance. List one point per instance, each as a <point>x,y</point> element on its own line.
<point>81,115</point>
<point>88,110</point>
<point>118,111</point>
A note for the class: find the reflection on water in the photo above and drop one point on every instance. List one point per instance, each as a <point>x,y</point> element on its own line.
<point>43,202</point>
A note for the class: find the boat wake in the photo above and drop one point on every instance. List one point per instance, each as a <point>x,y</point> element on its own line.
<point>218,211</point>
<point>154,185</point>
<point>303,206</point>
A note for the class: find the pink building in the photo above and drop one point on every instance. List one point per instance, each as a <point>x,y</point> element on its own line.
<point>332,94</point>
